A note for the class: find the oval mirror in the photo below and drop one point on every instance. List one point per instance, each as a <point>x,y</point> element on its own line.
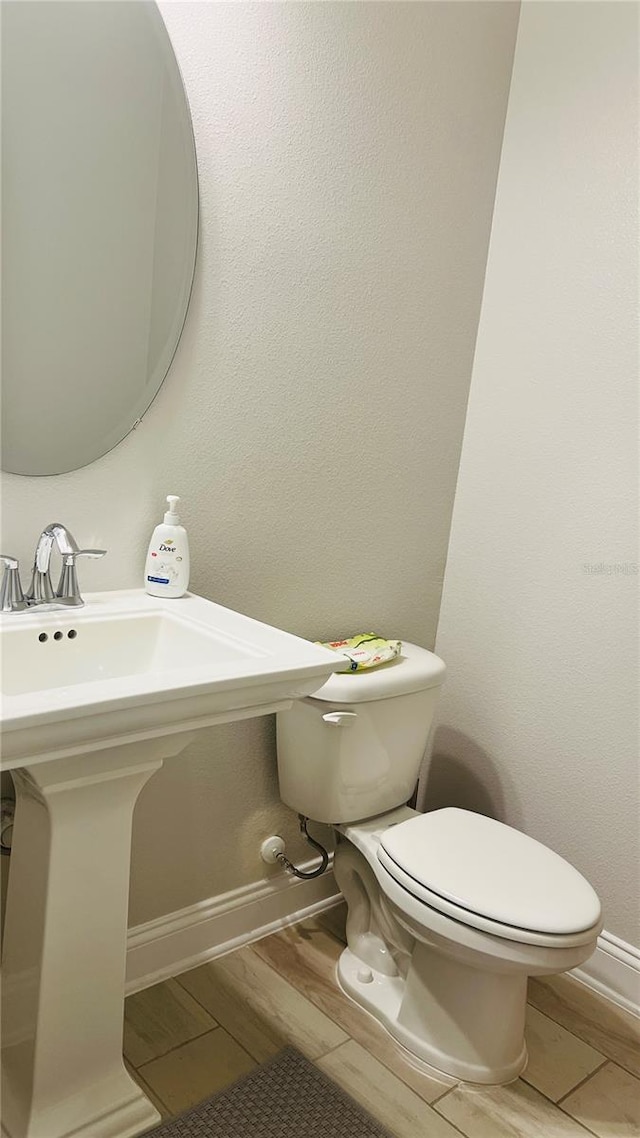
<point>99,222</point>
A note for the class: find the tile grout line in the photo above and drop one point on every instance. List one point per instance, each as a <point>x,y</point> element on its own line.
<point>559,1022</point>
<point>577,1121</point>
<point>423,1102</point>
<point>618,1061</point>
<point>435,1110</point>
<point>337,1047</point>
<point>145,1087</point>
<point>284,1042</point>
<point>199,1003</point>
<point>454,1125</point>
<point>177,1047</point>
<point>582,1082</point>
<point>626,1041</point>
<point>298,992</point>
<point>568,1030</point>
<point>444,1094</point>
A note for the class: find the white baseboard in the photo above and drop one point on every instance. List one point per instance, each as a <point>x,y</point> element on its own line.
<point>184,939</point>
<point>614,972</point>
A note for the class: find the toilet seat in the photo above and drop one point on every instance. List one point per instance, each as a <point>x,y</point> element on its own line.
<point>490,877</point>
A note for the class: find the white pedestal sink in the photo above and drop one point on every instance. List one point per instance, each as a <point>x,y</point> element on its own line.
<point>92,702</point>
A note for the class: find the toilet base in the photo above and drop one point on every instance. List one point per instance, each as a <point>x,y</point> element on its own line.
<point>470,1046</point>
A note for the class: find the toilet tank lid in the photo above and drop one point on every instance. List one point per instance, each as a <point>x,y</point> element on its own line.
<point>415,669</point>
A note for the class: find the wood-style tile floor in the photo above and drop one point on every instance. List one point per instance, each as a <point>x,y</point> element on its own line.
<point>187,1038</point>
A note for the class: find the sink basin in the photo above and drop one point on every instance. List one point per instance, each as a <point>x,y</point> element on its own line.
<point>130,664</point>
<point>105,648</point>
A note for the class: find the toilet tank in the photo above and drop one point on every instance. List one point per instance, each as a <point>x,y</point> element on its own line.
<point>354,748</point>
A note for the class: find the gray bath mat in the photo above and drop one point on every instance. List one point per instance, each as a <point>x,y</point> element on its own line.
<point>285,1098</point>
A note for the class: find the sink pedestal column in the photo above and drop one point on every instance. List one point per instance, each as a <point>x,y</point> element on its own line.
<point>65,946</point>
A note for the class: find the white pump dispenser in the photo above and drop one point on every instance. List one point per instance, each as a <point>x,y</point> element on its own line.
<point>172,517</point>
<point>166,571</point>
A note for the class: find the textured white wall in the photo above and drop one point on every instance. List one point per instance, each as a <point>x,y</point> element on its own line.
<point>539,614</point>
<point>313,415</point>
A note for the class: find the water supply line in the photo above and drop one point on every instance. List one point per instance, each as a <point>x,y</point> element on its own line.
<point>7,811</point>
<point>283,860</point>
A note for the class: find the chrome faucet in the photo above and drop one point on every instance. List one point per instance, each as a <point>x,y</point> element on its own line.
<point>40,592</point>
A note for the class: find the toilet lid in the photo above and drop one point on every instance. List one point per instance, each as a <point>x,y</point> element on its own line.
<point>492,870</point>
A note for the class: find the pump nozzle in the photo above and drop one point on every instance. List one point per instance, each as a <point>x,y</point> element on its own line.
<point>172,518</point>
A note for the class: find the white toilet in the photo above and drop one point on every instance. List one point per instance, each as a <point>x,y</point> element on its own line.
<point>448,912</point>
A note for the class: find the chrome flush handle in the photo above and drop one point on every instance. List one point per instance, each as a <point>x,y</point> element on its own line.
<point>340,718</point>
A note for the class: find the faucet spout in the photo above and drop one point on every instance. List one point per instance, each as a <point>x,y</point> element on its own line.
<point>41,590</point>
<point>65,541</point>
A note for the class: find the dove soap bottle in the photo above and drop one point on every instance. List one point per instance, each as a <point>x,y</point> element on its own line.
<point>166,571</point>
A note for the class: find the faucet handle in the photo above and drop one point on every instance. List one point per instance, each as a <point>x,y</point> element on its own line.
<point>12,598</point>
<point>68,592</point>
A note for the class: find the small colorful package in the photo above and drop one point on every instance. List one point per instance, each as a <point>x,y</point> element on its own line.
<point>366,650</point>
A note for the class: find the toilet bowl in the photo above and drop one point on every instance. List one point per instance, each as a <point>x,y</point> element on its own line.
<point>449,982</point>
<point>448,912</point>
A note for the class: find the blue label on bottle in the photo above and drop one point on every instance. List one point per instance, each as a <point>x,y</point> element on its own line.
<point>159,580</point>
